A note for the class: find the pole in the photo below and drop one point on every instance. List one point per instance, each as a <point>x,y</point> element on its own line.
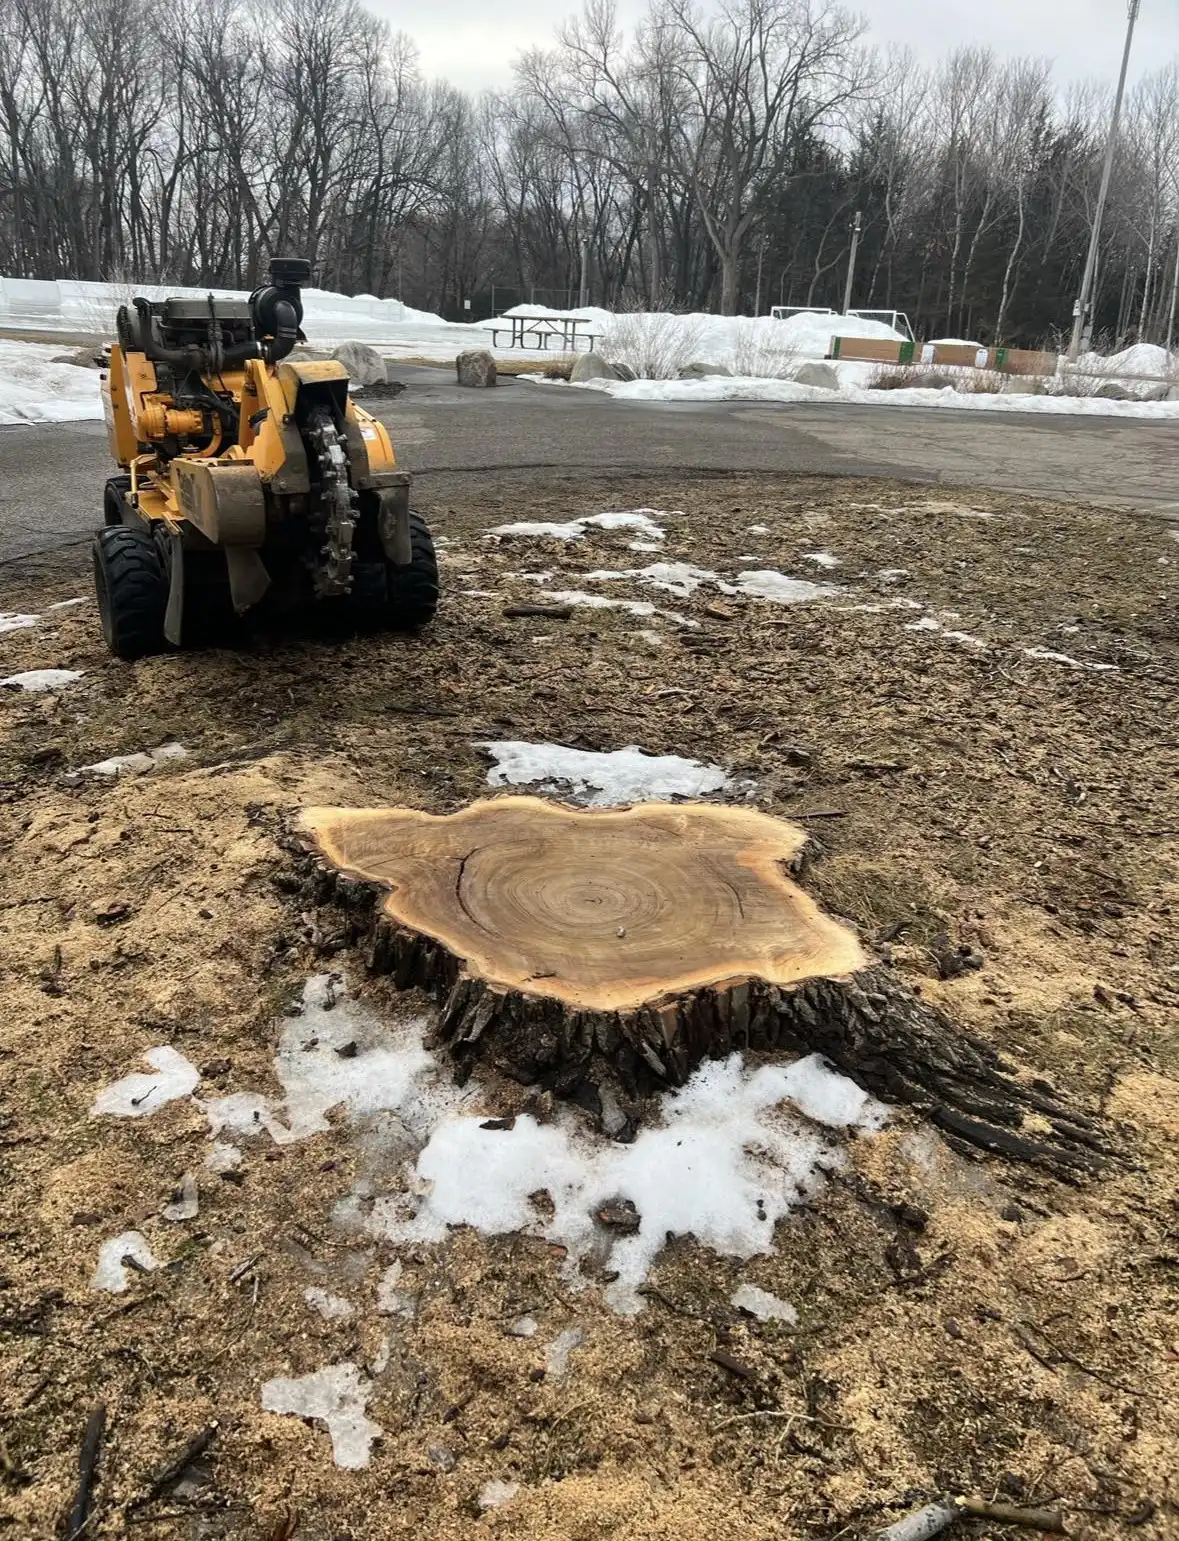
<point>1174,297</point>
<point>851,262</point>
<point>1081,325</point>
<point>583,296</point>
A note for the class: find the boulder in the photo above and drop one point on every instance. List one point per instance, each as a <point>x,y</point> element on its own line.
<point>83,358</point>
<point>699,371</point>
<point>592,366</point>
<point>1158,392</point>
<point>364,364</point>
<point>476,368</point>
<point>815,372</point>
<point>624,372</point>
<point>1110,390</point>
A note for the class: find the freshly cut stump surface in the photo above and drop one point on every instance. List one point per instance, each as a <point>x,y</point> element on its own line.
<point>602,910</point>
<point>605,953</point>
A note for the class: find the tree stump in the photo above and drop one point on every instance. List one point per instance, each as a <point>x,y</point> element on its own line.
<point>604,953</point>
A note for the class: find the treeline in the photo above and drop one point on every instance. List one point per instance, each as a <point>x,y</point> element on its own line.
<point>708,160</point>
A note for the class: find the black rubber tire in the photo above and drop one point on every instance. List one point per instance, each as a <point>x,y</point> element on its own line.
<point>413,591</point>
<point>113,495</point>
<point>132,591</point>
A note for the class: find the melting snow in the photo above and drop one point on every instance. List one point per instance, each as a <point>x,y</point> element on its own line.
<point>111,1273</point>
<point>763,1305</point>
<point>732,1153</point>
<point>335,1396</point>
<point>137,764</point>
<point>333,1308</point>
<point>779,588</point>
<point>1047,656</point>
<point>642,519</point>
<point>725,1166</point>
<point>42,679</point>
<point>927,623</point>
<point>556,1358</point>
<point>600,602</point>
<point>758,529</point>
<point>493,1494</point>
<point>10,621</point>
<point>328,1058</point>
<point>68,604</point>
<point>601,780</point>
<point>137,1095</point>
<point>821,559</point>
<point>679,578</point>
<point>223,1158</point>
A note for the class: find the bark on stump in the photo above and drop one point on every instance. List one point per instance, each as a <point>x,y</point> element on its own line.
<point>595,951</point>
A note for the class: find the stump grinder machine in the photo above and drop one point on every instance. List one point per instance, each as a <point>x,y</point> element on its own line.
<point>251,479</point>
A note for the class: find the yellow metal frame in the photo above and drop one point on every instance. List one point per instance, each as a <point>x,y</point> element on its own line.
<point>138,413</point>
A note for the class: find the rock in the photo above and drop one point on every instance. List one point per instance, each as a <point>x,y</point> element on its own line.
<point>699,371</point>
<point>105,912</point>
<point>442,1458</point>
<point>816,373</point>
<point>476,368</point>
<point>591,366</point>
<point>624,372</point>
<point>1159,392</point>
<point>1110,390</point>
<point>364,364</point>
<point>620,1215</point>
<point>83,358</point>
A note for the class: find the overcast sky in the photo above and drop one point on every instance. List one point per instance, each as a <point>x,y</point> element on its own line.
<point>473,42</point>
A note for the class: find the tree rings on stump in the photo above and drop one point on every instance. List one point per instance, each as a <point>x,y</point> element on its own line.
<point>603,911</point>
<point>586,949</point>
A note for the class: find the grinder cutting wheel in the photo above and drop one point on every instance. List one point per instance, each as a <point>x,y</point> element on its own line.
<point>248,477</point>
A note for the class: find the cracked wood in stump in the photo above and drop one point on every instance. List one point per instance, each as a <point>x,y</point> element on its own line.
<point>607,952</point>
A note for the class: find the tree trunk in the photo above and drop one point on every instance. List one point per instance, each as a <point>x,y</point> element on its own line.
<point>604,954</point>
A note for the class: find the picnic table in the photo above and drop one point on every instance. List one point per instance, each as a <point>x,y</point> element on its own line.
<point>538,331</point>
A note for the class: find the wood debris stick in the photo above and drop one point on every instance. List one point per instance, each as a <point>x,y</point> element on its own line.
<point>87,1470</point>
<point>541,612</point>
<point>732,1364</point>
<point>936,1517</point>
<point>178,1465</point>
<point>825,813</point>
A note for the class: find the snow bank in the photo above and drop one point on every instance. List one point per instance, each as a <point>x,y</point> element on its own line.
<point>601,780</point>
<point>719,388</point>
<point>33,389</point>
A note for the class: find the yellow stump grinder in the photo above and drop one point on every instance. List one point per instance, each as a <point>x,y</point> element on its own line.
<point>250,477</point>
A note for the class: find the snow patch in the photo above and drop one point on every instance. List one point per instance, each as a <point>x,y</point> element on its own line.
<point>333,1308</point>
<point>640,607</point>
<point>492,1495</point>
<point>642,519</point>
<point>335,1396</point>
<point>928,623</point>
<point>601,780</point>
<point>556,1358</point>
<point>137,764</point>
<point>135,1096</point>
<point>11,621</point>
<point>111,1273</point>
<point>821,559</point>
<point>679,578</point>
<point>779,588</point>
<point>726,1164</point>
<point>331,1056</point>
<point>33,389</point>
<point>763,1305</point>
<point>42,679</point>
<point>223,1158</point>
<point>1047,656</point>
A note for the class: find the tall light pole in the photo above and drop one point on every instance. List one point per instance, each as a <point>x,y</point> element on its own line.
<point>1080,319</point>
<point>851,261</point>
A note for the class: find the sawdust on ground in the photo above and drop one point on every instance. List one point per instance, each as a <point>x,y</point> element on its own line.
<point>962,1326</point>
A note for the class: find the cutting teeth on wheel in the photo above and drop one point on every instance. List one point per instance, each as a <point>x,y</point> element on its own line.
<point>335,576</point>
